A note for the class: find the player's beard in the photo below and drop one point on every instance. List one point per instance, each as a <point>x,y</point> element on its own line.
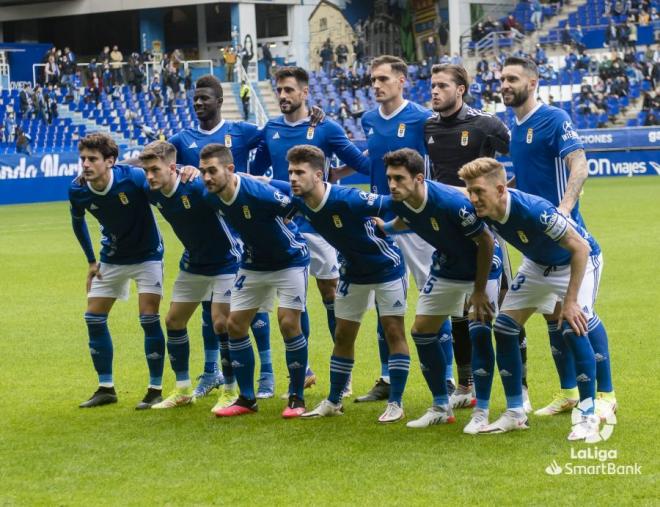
<point>446,107</point>
<point>292,107</point>
<point>518,98</point>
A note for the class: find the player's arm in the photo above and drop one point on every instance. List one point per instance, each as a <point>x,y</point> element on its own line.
<point>261,161</point>
<point>79,225</point>
<point>571,311</point>
<point>479,302</point>
<point>392,227</point>
<point>498,138</point>
<point>576,162</point>
<point>347,152</point>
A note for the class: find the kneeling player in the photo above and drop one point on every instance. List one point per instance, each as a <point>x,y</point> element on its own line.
<point>560,260</point>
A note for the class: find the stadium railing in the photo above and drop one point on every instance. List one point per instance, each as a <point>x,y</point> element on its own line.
<point>255,104</point>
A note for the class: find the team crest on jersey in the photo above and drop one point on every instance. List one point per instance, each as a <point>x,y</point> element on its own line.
<point>337,221</point>
<point>185,201</point>
<point>522,237</point>
<point>123,198</point>
<point>530,136</point>
<point>246,213</point>
<point>227,141</point>
<point>402,130</point>
<point>310,133</point>
<point>465,135</point>
<point>434,224</point>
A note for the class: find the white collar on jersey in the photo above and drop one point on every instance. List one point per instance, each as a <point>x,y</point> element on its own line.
<point>213,130</point>
<point>528,115</point>
<point>295,123</point>
<point>393,113</point>
<point>174,188</point>
<point>505,218</point>
<point>233,197</point>
<point>106,189</point>
<point>325,198</point>
<point>423,205</point>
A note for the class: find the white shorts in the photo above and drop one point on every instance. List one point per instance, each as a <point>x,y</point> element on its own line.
<point>418,255</point>
<point>116,279</point>
<point>442,296</point>
<point>257,289</point>
<point>192,288</point>
<point>323,264</point>
<point>352,299</point>
<point>540,287</point>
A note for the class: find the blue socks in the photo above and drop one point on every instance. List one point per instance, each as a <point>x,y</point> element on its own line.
<point>225,359</point>
<point>599,342</point>
<point>585,364</point>
<point>383,352</point>
<point>340,372</point>
<point>509,361</point>
<point>433,364</point>
<point>100,346</point>
<point>242,361</point>
<point>399,366</point>
<point>261,330</point>
<point>330,312</point>
<point>178,348</point>
<point>296,362</point>
<point>304,323</point>
<point>211,342</point>
<point>562,355</point>
<point>154,348</point>
<point>483,361</point>
<point>444,336</point>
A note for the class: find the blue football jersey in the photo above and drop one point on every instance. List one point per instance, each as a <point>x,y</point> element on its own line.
<point>343,218</point>
<point>211,247</point>
<point>404,128</point>
<point>240,136</point>
<point>447,221</point>
<point>257,211</point>
<point>128,226</point>
<point>539,144</point>
<point>534,226</point>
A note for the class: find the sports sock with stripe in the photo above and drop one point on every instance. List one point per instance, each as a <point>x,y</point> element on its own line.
<point>154,348</point>
<point>483,361</point>
<point>399,366</point>
<point>462,350</point>
<point>599,342</point>
<point>508,358</point>
<point>296,362</point>
<point>100,346</point>
<point>446,342</point>
<point>562,356</point>
<point>211,341</point>
<point>340,372</point>
<point>242,361</point>
<point>433,365</point>
<point>261,330</point>
<point>178,349</point>
<point>585,364</point>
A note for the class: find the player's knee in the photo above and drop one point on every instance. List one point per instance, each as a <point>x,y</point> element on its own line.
<point>173,321</point>
<point>236,327</point>
<point>289,323</point>
<point>393,329</point>
<point>327,288</point>
<point>220,324</point>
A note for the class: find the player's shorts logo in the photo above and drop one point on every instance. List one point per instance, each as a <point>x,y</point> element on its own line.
<point>434,224</point>
<point>310,133</point>
<point>465,136</point>
<point>402,130</point>
<point>246,212</point>
<point>530,136</point>
<point>337,221</point>
<point>523,237</point>
<point>185,201</point>
<point>123,198</point>
<point>227,141</point>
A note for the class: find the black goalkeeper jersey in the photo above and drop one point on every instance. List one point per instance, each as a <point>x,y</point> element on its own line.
<point>458,139</point>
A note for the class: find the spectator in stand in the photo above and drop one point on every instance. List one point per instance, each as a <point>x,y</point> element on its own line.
<point>478,32</point>
<point>537,14</point>
<point>456,59</point>
<point>357,109</point>
<point>245,54</point>
<point>51,72</point>
<point>431,51</point>
<point>230,57</point>
<point>39,104</point>
<point>22,142</point>
<point>539,55</point>
<point>444,59</point>
<point>94,87</point>
<point>651,120</point>
<point>244,94</point>
<point>268,58</point>
<point>116,63</point>
<point>612,36</point>
<point>107,78</point>
<point>104,56</point>
<point>51,105</point>
<point>326,55</point>
<point>135,73</point>
<point>9,124</point>
<point>512,26</point>
<point>25,102</point>
<point>156,92</point>
<point>342,55</point>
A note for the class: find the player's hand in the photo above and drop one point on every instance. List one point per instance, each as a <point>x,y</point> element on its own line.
<point>573,314</point>
<point>481,307</point>
<point>189,173</point>
<point>379,223</point>
<point>94,271</point>
<point>316,115</point>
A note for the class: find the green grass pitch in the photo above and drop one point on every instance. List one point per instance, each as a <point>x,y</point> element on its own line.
<point>53,453</point>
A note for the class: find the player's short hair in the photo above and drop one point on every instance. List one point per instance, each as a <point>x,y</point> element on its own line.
<point>160,150</point>
<point>397,64</point>
<point>298,73</point>
<point>458,73</point>
<point>101,142</point>
<point>405,157</point>
<point>219,151</point>
<point>210,81</point>
<point>306,153</point>
<point>527,64</point>
<point>484,166</point>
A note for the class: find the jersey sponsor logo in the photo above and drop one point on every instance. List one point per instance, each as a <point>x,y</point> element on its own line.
<point>465,136</point>
<point>185,201</point>
<point>530,136</point>
<point>123,198</point>
<point>434,224</point>
<point>193,145</point>
<point>370,198</point>
<point>276,135</point>
<point>227,141</point>
<point>467,217</point>
<point>93,207</point>
<point>281,198</point>
<point>310,133</point>
<point>246,212</point>
<point>569,132</point>
<point>337,221</point>
<point>555,224</point>
<point>401,130</point>
<point>522,237</point>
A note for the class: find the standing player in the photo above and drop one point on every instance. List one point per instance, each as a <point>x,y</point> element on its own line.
<point>560,260</point>
<point>241,137</point>
<point>131,249</point>
<point>275,260</point>
<point>456,135</point>
<point>291,129</point>
<point>549,161</point>
<point>207,268</point>
<point>371,264</point>
<point>463,267</point>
